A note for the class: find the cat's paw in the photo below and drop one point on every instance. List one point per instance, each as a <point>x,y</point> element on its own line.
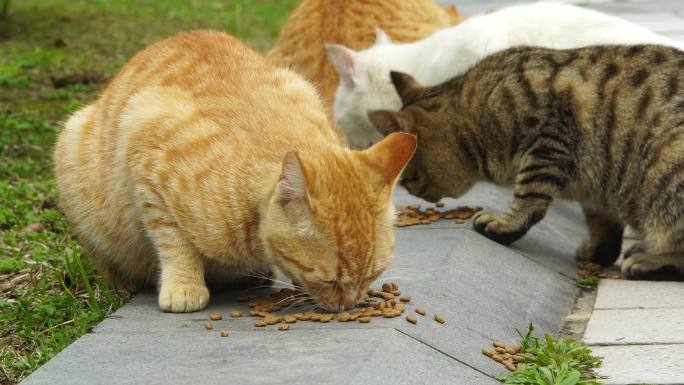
<point>497,227</point>
<point>603,253</point>
<point>183,298</point>
<point>646,267</point>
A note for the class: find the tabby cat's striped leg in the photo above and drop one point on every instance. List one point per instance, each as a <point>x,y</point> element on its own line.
<point>605,239</point>
<point>545,169</point>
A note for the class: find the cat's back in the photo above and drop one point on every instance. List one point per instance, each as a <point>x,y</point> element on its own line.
<point>313,23</point>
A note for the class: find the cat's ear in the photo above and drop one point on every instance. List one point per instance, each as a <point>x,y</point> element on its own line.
<point>291,187</point>
<point>390,155</point>
<point>405,85</point>
<point>387,122</point>
<point>345,61</point>
<point>381,37</point>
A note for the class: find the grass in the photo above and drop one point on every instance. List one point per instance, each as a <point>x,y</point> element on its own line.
<point>54,57</point>
<point>553,362</point>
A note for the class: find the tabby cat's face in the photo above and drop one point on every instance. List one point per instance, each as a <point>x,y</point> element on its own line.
<point>330,222</point>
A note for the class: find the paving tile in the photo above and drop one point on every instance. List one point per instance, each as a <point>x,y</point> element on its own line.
<point>635,326</point>
<point>254,357</point>
<point>639,364</point>
<point>623,294</point>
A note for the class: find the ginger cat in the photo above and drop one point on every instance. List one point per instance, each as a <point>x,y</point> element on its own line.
<point>301,44</point>
<point>200,158</point>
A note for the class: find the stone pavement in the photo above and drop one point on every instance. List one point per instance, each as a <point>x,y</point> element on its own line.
<point>484,290</point>
<point>638,328</point>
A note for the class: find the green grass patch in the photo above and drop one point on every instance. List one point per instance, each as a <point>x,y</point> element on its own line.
<point>549,361</point>
<point>55,55</point>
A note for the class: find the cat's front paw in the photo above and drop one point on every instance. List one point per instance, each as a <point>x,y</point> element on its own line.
<point>183,298</point>
<point>497,227</point>
<point>647,267</point>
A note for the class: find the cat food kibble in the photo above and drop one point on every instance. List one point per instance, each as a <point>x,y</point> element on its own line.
<point>215,316</point>
<point>385,302</point>
<point>208,325</point>
<point>236,314</point>
<point>439,318</point>
<point>224,333</point>
<point>412,215</point>
<point>506,355</point>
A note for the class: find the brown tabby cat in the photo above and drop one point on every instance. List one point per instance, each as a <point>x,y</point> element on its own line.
<point>202,158</point>
<point>313,23</point>
<point>602,125</point>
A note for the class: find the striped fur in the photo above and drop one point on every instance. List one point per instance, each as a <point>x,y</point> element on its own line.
<point>602,125</point>
<point>201,159</point>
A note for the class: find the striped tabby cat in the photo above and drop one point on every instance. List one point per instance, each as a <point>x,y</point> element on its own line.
<point>201,159</point>
<point>602,125</point>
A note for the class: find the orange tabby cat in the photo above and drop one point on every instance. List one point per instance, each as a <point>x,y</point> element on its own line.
<point>301,44</point>
<point>202,158</point>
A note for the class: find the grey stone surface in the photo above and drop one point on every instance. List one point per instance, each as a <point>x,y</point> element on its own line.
<point>483,289</point>
<point>622,294</point>
<point>638,364</point>
<point>635,326</point>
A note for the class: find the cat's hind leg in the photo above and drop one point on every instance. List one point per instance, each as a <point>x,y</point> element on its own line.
<point>654,267</point>
<point>663,262</point>
<point>605,239</point>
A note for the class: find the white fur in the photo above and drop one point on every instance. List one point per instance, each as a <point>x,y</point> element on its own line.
<point>365,83</point>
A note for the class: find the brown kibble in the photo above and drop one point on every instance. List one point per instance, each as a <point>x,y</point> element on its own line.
<point>354,316</point>
<point>405,298</point>
<point>315,317</point>
<point>439,318</point>
<point>364,320</point>
<point>459,221</point>
<point>603,274</point>
<point>500,350</point>
<point>236,314</point>
<point>208,325</point>
<point>377,313</point>
<point>387,286</point>
<point>518,358</point>
<point>260,324</point>
<point>420,311</point>
<point>498,358</point>
<point>515,347</point>
<point>343,317</point>
<point>284,327</point>
<point>326,318</point>
<point>439,204</point>
<point>510,350</point>
<point>509,365</point>
<point>388,313</point>
<point>488,352</point>
<point>499,344</point>
<point>615,276</point>
<point>396,293</point>
<point>224,333</point>
<point>254,313</point>
<point>399,307</point>
<point>413,207</point>
<point>272,319</point>
<point>382,306</point>
<point>215,316</point>
<point>290,319</point>
<point>412,319</point>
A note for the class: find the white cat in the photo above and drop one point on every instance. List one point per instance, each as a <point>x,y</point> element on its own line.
<point>364,75</point>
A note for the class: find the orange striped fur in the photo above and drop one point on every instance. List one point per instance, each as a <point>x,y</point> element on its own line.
<point>200,159</point>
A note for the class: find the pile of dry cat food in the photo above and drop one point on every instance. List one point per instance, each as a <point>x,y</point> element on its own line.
<point>412,215</point>
<point>387,302</point>
<point>586,269</point>
<point>506,355</point>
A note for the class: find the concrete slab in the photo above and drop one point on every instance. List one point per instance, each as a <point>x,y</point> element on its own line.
<point>637,364</point>
<point>484,290</point>
<point>622,294</point>
<point>635,326</point>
